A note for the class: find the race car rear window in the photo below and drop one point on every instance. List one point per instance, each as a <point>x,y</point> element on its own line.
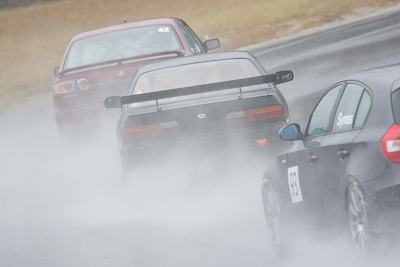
<point>195,74</point>
<point>122,44</point>
<point>396,105</point>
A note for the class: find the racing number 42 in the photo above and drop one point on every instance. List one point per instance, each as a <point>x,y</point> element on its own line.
<point>294,184</point>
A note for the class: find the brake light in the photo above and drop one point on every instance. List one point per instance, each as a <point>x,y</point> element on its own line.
<point>151,130</point>
<point>390,143</point>
<point>255,114</point>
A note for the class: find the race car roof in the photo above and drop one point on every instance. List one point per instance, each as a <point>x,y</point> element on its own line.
<point>377,79</point>
<point>123,26</point>
<point>198,59</point>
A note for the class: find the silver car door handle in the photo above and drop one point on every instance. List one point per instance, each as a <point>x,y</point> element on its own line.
<point>343,154</point>
<point>313,158</point>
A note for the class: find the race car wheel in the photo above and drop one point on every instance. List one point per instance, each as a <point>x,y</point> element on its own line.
<point>273,216</point>
<point>357,210</point>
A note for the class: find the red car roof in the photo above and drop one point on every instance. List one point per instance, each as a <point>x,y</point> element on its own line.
<point>123,26</point>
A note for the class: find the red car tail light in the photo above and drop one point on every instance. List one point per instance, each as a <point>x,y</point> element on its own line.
<point>151,130</point>
<point>390,143</point>
<point>64,87</point>
<point>83,84</point>
<point>255,114</point>
<point>71,85</point>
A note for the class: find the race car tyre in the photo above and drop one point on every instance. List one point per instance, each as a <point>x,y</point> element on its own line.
<point>273,216</point>
<point>359,214</point>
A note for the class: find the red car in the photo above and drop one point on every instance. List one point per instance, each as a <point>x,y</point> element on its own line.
<point>101,62</point>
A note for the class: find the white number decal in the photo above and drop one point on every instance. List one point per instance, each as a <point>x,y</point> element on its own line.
<point>163,29</point>
<point>294,184</point>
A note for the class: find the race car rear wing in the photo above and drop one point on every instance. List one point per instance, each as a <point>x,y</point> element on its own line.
<point>277,78</point>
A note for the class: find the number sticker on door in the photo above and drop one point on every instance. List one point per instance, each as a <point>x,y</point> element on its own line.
<point>294,184</point>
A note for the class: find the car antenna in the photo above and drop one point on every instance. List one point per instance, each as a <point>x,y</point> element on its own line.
<point>125,20</point>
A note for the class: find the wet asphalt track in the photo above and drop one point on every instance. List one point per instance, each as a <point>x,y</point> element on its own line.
<point>67,206</point>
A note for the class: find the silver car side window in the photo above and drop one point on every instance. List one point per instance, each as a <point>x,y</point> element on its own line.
<point>320,118</point>
<point>347,108</point>
<point>363,110</point>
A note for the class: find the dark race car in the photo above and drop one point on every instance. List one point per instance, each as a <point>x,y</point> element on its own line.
<point>207,100</point>
<point>101,62</point>
<point>344,170</point>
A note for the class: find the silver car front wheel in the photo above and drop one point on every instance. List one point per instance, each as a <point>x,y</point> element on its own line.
<point>358,220</point>
<point>273,216</point>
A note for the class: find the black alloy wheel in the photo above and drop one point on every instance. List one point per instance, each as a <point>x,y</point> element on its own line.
<point>358,220</point>
<point>273,216</point>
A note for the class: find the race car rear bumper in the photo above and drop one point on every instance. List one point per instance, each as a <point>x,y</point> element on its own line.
<point>262,140</point>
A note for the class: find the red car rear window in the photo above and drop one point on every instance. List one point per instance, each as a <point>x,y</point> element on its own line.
<point>122,44</point>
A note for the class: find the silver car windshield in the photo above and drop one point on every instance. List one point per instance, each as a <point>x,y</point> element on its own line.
<point>195,74</point>
<point>122,44</point>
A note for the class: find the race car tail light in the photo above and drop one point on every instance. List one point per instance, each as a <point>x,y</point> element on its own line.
<point>71,85</point>
<point>390,143</point>
<point>64,87</point>
<point>151,130</point>
<point>255,114</point>
<point>83,84</point>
